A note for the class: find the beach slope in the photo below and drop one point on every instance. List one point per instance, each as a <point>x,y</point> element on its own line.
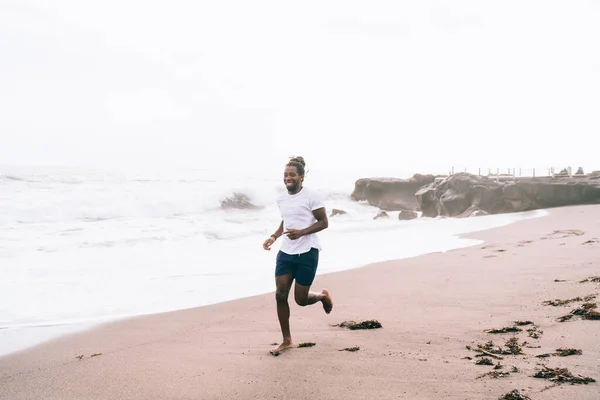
<point>434,311</point>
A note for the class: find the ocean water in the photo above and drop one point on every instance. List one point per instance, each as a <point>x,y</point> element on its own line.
<point>82,246</point>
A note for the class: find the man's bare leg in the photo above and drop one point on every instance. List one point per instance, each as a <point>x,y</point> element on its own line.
<point>283,285</point>
<point>304,297</point>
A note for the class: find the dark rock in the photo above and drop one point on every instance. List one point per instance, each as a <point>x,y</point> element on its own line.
<point>381,214</point>
<point>238,201</point>
<point>337,211</point>
<point>472,211</point>
<point>391,194</point>
<point>465,193</point>
<point>407,215</point>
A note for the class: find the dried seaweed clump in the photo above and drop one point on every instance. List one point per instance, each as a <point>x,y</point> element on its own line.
<point>352,325</point>
<point>306,344</point>
<point>514,395</point>
<point>511,347</point>
<point>562,352</point>
<point>506,329</point>
<point>586,311</point>
<point>523,323</point>
<point>484,361</point>
<point>351,349</point>
<point>559,302</point>
<point>494,374</point>
<point>534,332</point>
<point>562,375</point>
<point>595,279</point>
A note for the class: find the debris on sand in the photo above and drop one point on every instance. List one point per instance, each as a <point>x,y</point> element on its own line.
<point>591,241</point>
<point>523,323</point>
<point>558,302</point>
<point>595,279</point>
<point>498,366</point>
<point>514,395</point>
<point>564,233</point>
<point>506,329</point>
<point>484,361</point>
<point>559,280</point>
<point>511,347</point>
<point>586,311</point>
<point>534,332</point>
<point>562,352</point>
<point>565,318</point>
<point>351,349</point>
<point>562,375</point>
<point>352,325</point>
<point>306,344</point>
<point>494,374</point>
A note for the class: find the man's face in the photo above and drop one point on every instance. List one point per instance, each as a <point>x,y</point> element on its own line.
<point>292,179</point>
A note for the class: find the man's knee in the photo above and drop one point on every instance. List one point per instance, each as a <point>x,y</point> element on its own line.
<point>301,300</point>
<point>281,296</point>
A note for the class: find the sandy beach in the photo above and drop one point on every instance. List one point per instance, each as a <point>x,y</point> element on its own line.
<point>434,311</point>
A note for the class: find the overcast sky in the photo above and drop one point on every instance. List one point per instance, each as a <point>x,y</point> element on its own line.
<point>425,84</point>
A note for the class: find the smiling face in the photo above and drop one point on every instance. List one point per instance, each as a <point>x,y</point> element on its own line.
<point>292,180</point>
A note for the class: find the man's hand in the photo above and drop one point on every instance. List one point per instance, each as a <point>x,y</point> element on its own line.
<point>268,243</point>
<point>294,233</point>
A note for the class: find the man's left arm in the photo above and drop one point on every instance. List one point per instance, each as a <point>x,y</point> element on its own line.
<point>322,223</point>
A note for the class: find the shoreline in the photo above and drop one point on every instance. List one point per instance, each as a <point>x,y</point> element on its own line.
<point>21,337</point>
<point>431,307</point>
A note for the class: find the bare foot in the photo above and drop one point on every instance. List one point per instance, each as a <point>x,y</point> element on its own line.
<point>327,301</point>
<point>282,347</point>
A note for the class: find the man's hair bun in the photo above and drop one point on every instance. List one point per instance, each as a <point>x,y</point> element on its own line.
<point>297,162</point>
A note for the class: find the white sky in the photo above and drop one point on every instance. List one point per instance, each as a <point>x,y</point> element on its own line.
<point>421,84</point>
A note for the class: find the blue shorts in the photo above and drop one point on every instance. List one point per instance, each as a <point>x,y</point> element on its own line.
<point>303,267</point>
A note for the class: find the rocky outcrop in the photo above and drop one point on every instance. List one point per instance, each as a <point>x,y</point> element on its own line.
<point>238,201</point>
<point>337,211</point>
<point>381,214</point>
<point>391,194</point>
<point>454,195</point>
<point>407,215</point>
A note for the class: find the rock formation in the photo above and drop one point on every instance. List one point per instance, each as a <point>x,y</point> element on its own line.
<point>407,215</point>
<point>337,211</point>
<point>454,195</point>
<point>239,201</point>
<point>391,194</point>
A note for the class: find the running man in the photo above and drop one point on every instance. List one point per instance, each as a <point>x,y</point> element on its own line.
<point>303,215</point>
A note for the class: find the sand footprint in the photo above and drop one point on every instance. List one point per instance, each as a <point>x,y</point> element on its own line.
<point>563,233</point>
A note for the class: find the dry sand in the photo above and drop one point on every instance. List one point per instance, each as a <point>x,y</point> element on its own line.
<point>431,307</point>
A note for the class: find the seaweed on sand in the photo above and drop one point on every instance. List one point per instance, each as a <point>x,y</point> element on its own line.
<point>353,325</point>
<point>586,311</point>
<point>514,395</point>
<point>562,375</point>
<point>506,329</point>
<point>559,302</point>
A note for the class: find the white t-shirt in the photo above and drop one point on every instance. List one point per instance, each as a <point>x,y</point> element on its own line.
<point>296,212</point>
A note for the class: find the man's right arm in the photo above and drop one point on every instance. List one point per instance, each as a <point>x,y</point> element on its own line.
<point>279,231</point>
<point>269,242</point>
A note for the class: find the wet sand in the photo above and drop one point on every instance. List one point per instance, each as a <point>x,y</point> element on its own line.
<point>430,307</point>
